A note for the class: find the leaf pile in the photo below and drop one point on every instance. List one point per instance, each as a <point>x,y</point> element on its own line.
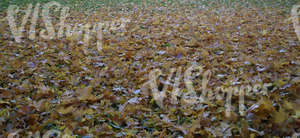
<point>63,85</point>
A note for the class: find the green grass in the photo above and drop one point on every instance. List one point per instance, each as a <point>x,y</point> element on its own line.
<point>95,4</point>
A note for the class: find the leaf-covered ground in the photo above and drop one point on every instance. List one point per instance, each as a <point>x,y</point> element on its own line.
<point>61,84</point>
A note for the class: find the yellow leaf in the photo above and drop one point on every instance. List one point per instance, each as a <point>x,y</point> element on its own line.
<point>156,22</point>
<point>85,93</point>
<point>280,83</point>
<point>64,111</point>
<point>287,105</point>
<point>265,32</point>
<point>252,135</point>
<point>297,114</point>
<point>267,104</point>
<point>205,53</point>
<point>89,111</point>
<point>280,116</point>
<point>185,27</point>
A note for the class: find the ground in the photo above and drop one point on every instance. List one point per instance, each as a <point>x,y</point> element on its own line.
<point>83,91</point>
